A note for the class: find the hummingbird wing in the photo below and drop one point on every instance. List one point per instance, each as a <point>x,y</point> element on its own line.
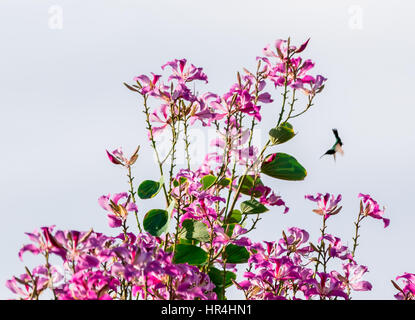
<point>330,151</point>
<point>336,134</point>
<point>338,148</point>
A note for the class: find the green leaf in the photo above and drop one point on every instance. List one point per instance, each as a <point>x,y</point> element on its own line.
<point>224,182</point>
<point>249,184</point>
<point>236,254</point>
<point>252,207</point>
<point>186,241</point>
<point>217,277</point>
<point>283,166</point>
<point>234,217</point>
<point>179,182</point>
<point>149,188</point>
<point>281,134</point>
<point>193,255</point>
<point>156,222</point>
<point>207,181</point>
<point>195,230</point>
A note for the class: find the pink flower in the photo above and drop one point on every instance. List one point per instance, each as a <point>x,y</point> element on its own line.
<point>31,286</point>
<point>159,116</point>
<point>117,157</point>
<point>295,243</point>
<point>352,277</point>
<point>222,239</point>
<point>90,285</point>
<point>203,109</point>
<point>408,291</point>
<point>336,249</point>
<point>149,86</point>
<point>183,75</point>
<point>268,197</point>
<point>328,286</point>
<point>327,204</point>
<point>118,212</point>
<point>315,85</point>
<point>44,242</point>
<point>371,209</point>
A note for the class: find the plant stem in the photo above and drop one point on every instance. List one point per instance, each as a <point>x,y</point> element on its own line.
<point>132,193</point>
<point>360,217</point>
<point>153,144</point>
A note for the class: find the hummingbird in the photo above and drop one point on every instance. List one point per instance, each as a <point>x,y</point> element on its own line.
<point>337,147</point>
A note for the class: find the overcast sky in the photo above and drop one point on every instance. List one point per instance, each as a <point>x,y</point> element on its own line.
<point>62,103</point>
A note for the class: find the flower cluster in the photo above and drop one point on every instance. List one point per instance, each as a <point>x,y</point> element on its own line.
<point>191,245</point>
<point>284,269</point>
<point>98,267</point>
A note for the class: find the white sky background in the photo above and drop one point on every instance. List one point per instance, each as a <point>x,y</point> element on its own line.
<point>62,103</point>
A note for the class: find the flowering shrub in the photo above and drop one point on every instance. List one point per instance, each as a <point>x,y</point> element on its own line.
<point>192,245</point>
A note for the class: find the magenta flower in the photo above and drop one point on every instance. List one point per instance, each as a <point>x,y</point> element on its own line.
<point>268,197</point>
<point>282,50</point>
<point>44,242</point>
<point>336,249</point>
<point>31,286</point>
<point>295,243</point>
<point>183,75</point>
<point>204,109</point>
<point>309,85</point>
<point>90,285</point>
<point>327,204</point>
<point>162,118</point>
<point>327,287</point>
<point>118,157</point>
<point>352,277</point>
<point>408,291</point>
<point>371,209</point>
<point>222,239</point>
<point>244,101</point>
<point>149,85</point>
<point>118,212</point>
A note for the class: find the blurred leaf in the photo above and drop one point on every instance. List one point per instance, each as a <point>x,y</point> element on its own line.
<point>252,207</point>
<point>207,181</point>
<point>149,188</point>
<point>217,276</point>
<point>281,134</point>
<point>236,254</point>
<point>156,222</point>
<point>197,230</point>
<point>249,184</point>
<point>224,182</point>
<point>283,166</point>
<point>193,255</point>
<point>234,217</point>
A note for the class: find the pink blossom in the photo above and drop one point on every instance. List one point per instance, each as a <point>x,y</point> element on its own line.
<point>336,249</point>
<point>353,274</point>
<point>117,157</point>
<point>118,212</point>
<point>327,204</point>
<point>371,209</point>
<point>181,74</point>
<point>328,286</point>
<point>408,291</point>
<point>149,86</point>
<point>268,197</point>
<point>43,242</point>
